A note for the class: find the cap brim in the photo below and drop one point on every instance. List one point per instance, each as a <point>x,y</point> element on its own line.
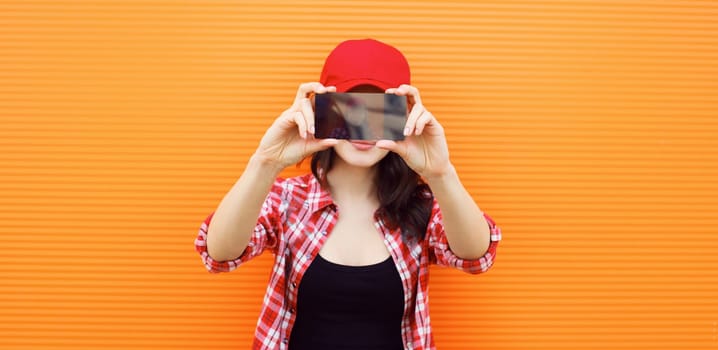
<point>350,84</point>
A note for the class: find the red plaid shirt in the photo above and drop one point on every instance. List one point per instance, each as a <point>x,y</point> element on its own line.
<point>294,222</point>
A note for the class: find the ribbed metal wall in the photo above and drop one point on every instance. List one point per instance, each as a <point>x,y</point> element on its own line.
<point>587,129</point>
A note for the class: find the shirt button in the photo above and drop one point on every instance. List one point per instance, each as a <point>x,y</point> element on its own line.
<point>291,311</point>
<point>294,284</point>
<point>285,341</point>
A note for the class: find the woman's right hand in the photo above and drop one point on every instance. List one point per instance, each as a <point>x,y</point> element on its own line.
<point>291,136</point>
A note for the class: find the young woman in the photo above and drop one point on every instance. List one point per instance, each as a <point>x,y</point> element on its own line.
<point>354,239</point>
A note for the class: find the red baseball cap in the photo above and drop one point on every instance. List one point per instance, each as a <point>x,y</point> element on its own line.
<point>362,62</point>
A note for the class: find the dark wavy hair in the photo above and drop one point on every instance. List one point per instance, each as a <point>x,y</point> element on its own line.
<point>405,200</point>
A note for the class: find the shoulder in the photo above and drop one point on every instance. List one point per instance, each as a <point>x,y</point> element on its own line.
<point>301,180</point>
<point>296,187</point>
<point>295,182</point>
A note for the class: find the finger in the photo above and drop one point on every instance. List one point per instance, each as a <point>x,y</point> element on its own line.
<point>305,89</point>
<point>301,124</point>
<point>410,91</point>
<point>425,119</point>
<point>317,88</point>
<point>412,99</point>
<point>410,125</point>
<point>393,146</point>
<point>308,114</point>
<point>320,144</point>
<point>388,145</point>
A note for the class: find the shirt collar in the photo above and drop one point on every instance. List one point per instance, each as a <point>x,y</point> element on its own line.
<point>317,196</point>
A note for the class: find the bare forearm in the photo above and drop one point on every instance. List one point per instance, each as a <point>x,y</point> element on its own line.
<point>466,228</point>
<point>234,219</point>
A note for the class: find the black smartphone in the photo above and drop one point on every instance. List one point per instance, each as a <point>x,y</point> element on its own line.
<point>359,116</point>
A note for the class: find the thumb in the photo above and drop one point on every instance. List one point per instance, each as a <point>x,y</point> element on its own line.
<point>392,146</point>
<point>320,144</point>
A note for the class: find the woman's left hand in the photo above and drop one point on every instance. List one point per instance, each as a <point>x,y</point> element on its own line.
<point>424,147</point>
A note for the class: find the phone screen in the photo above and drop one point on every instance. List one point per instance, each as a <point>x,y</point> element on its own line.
<point>359,116</point>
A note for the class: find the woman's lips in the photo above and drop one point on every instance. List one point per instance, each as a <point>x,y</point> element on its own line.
<point>362,145</point>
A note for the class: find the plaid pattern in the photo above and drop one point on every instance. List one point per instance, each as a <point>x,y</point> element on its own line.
<point>293,224</point>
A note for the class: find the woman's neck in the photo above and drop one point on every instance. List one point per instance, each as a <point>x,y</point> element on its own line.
<point>348,182</point>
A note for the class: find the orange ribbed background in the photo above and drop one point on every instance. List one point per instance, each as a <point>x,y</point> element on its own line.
<point>587,129</point>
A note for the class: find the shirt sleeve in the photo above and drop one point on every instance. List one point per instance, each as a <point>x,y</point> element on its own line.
<point>441,254</point>
<point>267,231</point>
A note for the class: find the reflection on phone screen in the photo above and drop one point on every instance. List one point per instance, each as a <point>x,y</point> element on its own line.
<point>360,116</point>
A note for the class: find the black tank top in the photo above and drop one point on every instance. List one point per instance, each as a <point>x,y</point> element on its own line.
<point>349,307</point>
